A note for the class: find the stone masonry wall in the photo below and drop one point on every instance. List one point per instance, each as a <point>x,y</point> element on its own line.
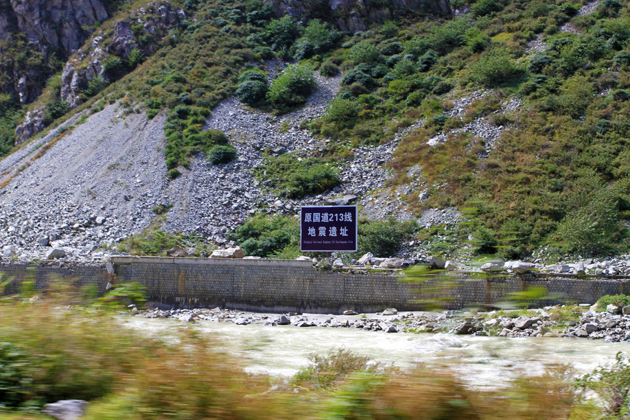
<point>282,286</point>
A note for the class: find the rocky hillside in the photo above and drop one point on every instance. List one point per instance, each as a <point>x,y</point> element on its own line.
<point>461,129</point>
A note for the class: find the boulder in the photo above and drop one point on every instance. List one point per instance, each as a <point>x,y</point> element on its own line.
<point>390,311</point>
<point>491,266</point>
<point>236,252</point>
<point>466,328</point>
<point>590,328</point>
<point>283,320</point>
<point>65,409</point>
<point>338,263</point>
<point>626,310</point>
<point>437,263</point>
<point>56,253</point>
<point>519,266</point>
<point>349,312</point>
<point>392,263</point>
<point>366,258</point>
<point>177,251</point>
<point>524,322</point>
<point>8,251</point>
<point>342,201</point>
<point>613,309</point>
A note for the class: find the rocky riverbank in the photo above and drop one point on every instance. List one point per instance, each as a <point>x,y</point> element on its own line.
<point>579,321</point>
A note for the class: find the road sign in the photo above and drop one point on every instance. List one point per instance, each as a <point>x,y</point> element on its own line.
<point>328,229</point>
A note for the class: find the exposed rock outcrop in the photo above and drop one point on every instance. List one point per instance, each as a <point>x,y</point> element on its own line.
<point>33,124</point>
<point>353,15</point>
<point>88,63</point>
<point>54,24</point>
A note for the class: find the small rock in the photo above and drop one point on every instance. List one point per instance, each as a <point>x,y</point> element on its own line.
<point>365,258</point>
<point>56,253</point>
<point>236,252</point>
<point>177,251</point>
<point>613,309</point>
<point>65,409</point>
<point>392,263</point>
<point>390,311</point>
<point>350,312</point>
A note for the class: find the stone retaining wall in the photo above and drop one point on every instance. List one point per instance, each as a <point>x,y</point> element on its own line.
<point>282,286</point>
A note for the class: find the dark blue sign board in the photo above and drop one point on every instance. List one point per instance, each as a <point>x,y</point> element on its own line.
<point>328,229</point>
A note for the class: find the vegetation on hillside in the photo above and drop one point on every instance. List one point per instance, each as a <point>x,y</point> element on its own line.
<point>556,177</point>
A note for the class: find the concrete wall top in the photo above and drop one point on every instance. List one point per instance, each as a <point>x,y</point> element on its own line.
<point>212,261</point>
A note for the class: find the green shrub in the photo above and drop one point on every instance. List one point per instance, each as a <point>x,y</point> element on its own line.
<point>384,238</point>
<point>343,112</point>
<point>281,32</point>
<point>222,154</point>
<point>622,58</point>
<point>135,58</point>
<point>58,109</point>
<point>293,178</point>
<point>365,52</point>
<point>173,173</point>
<point>252,92</point>
<point>485,241</point>
<point>151,113</point>
<point>496,68</point>
<point>253,75</point>
<point>592,221</point>
<point>485,7</point>
<point>617,300</point>
<point>113,66</point>
<point>329,69</point>
<point>319,36</point>
<point>291,88</point>
<point>265,236</point>
<point>96,85</point>
<point>476,40</point>
<point>357,76</point>
<point>428,60</point>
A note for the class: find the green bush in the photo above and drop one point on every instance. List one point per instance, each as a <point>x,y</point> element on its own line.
<point>252,92</point>
<point>293,178</point>
<point>281,32</point>
<point>365,52</point>
<point>291,88</point>
<point>135,58</point>
<point>329,69</point>
<point>222,154</point>
<point>485,7</point>
<point>173,173</point>
<point>496,68</point>
<point>96,85</point>
<point>428,60</point>
<point>476,40</point>
<point>252,75</point>
<point>617,300</point>
<point>384,238</point>
<point>113,66</point>
<point>58,109</point>
<point>265,236</point>
<point>592,221</point>
<point>357,76</point>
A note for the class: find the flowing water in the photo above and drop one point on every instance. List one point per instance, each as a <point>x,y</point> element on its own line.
<point>480,361</point>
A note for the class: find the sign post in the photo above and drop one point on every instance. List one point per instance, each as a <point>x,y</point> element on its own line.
<point>328,229</point>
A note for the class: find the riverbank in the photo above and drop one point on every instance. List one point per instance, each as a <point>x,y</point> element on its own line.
<point>572,321</point>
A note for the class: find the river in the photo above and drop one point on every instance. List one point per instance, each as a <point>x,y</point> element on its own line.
<point>482,362</point>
